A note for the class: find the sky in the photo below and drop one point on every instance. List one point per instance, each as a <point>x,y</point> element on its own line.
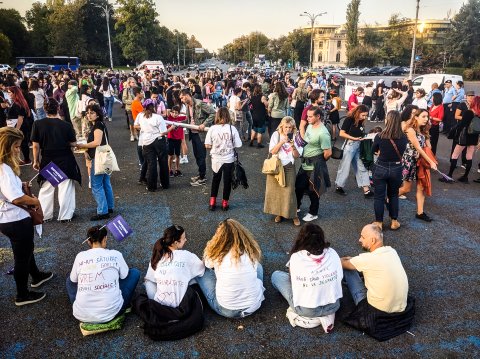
<point>217,22</point>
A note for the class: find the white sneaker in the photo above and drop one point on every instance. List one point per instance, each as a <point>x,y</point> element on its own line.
<point>132,138</point>
<point>109,119</point>
<point>136,137</point>
<point>478,170</point>
<point>464,167</point>
<point>89,183</point>
<point>402,197</point>
<point>181,160</point>
<point>309,217</point>
<point>185,159</point>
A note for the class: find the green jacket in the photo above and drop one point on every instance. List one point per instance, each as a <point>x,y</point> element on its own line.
<point>202,113</point>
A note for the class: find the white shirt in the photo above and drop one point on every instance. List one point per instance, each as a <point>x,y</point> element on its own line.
<point>10,190</point>
<point>237,284</point>
<point>107,93</point>
<point>233,103</point>
<point>150,128</point>
<point>285,154</point>
<point>421,103</point>
<point>97,272</point>
<point>39,98</point>
<point>172,276</point>
<point>220,138</point>
<point>316,279</point>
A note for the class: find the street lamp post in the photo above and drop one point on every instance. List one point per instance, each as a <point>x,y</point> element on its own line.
<point>312,18</point>
<point>107,16</point>
<point>412,58</point>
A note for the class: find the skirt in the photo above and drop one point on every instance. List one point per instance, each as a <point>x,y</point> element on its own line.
<point>281,201</point>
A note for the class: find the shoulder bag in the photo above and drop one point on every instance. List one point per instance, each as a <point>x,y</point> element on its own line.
<point>474,127</point>
<point>337,153</point>
<point>271,165</point>
<point>105,160</point>
<point>36,214</point>
<point>238,172</point>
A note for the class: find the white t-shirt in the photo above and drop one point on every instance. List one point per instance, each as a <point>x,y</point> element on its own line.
<point>237,284</point>
<point>233,103</point>
<point>220,138</point>
<point>151,127</point>
<point>285,154</point>
<point>421,103</point>
<point>39,98</point>
<point>316,279</point>
<point>97,272</point>
<point>385,279</point>
<point>10,190</point>
<point>172,276</point>
<point>109,92</point>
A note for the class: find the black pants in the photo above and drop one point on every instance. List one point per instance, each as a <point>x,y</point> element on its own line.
<point>20,234</point>
<point>157,151</point>
<point>273,124</point>
<point>434,134</point>
<point>303,186</point>
<point>226,169</point>
<point>24,145</point>
<point>448,117</point>
<point>199,152</point>
<point>143,163</point>
<point>379,113</point>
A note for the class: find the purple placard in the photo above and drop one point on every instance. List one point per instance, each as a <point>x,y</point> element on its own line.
<point>53,174</point>
<point>119,228</point>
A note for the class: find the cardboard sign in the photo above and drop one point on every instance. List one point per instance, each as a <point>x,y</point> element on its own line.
<point>53,174</point>
<point>119,228</point>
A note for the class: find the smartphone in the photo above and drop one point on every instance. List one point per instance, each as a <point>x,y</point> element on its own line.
<point>290,136</point>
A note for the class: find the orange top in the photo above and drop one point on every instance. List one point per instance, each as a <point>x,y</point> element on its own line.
<point>136,108</point>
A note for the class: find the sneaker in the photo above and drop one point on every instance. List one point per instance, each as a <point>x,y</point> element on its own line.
<point>100,217</point>
<point>463,179</point>
<point>260,145</point>
<point>31,298</point>
<point>135,137</point>
<point>25,163</point>
<point>402,197</point>
<point>225,205</point>
<point>185,159</point>
<point>250,144</point>
<point>132,138</point>
<point>194,178</point>
<point>368,194</point>
<point>309,217</point>
<point>109,119</point>
<point>199,182</point>
<point>476,180</point>
<point>142,181</point>
<point>340,191</point>
<point>423,217</point>
<point>44,277</point>
<point>178,173</point>
<point>394,225</point>
<point>464,166</point>
<point>182,160</point>
<point>172,174</point>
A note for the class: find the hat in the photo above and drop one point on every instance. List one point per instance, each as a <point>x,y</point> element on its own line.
<point>448,81</point>
<point>470,93</point>
<point>381,81</point>
<point>148,102</point>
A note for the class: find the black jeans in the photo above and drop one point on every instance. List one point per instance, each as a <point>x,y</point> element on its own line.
<point>200,153</point>
<point>143,163</point>
<point>434,134</point>
<point>448,117</point>
<point>379,113</point>
<point>226,169</point>
<point>302,186</point>
<point>20,234</point>
<point>157,151</point>
<point>387,178</point>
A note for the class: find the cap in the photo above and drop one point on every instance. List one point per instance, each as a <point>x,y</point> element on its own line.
<point>470,93</point>
<point>148,102</point>
<point>448,81</point>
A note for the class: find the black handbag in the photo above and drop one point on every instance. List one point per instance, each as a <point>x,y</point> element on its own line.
<point>452,133</point>
<point>462,137</point>
<point>239,176</point>
<point>337,153</point>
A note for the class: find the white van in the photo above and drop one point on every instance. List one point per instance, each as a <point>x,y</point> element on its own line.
<point>151,65</point>
<point>425,81</point>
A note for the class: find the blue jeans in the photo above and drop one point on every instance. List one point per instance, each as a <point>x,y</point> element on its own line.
<point>387,179</point>
<point>351,156</point>
<point>127,287</point>
<point>355,285</point>
<point>281,281</point>
<point>208,283</point>
<point>40,113</point>
<point>109,101</point>
<point>102,191</point>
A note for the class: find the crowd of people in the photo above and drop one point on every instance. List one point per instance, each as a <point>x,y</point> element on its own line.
<point>63,113</point>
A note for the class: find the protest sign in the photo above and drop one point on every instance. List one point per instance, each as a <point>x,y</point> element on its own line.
<point>53,174</point>
<point>119,228</point>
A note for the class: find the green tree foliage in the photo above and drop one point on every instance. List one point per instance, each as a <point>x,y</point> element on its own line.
<point>353,15</point>
<point>39,28</point>
<point>6,46</point>
<point>362,56</point>
<point>397,43</point>
<point>464,37</point>
<point>12,26</point>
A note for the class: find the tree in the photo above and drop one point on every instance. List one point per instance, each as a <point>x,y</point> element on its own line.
<point>362,56</point>
<point>464,37</point>
<point>353,15</point>
<point>11,25</point>
<point>397,43</point>
<point>6,46</point>
<point>39,28</point>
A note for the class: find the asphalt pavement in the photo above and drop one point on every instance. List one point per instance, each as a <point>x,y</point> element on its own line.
<point>440,258</point>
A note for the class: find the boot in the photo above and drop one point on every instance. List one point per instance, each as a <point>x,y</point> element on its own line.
<point>453,165</point>
<point>468,167</point>
<point>213,203</point>
<point>225,205</point>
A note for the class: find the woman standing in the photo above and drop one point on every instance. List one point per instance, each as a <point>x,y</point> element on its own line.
<point>281,201</point>
<point>420,101</point>
<point>233,280</point>
<point>417,135</point>
<point>353,132</point>
<point>170,263</point>
<point>15,222</point>
<point>222,139</point>
<point>377,96</point>
<point>469,141</point>
<point>436,116</point>
<point>108,96</point>
<point>277,106</point>
<point>37,91</point>
<point>54,139</point>
<point>307,294</point>
<point>17,116</point>
<point>259,115</point>
<point>395,100</point>
<point>333,107</point>
<point>387,173</point>
<point>101,187</point>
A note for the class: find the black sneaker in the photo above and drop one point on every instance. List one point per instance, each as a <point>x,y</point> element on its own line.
<point>260,145</point>
<point>423,217</point>
<point>463,179</point>
<point>178,173</point>
<point>44,277</point>
<point>110,210</point>
<point>99,217</point>
<point>142,181</point>
<point>199,182</point>
<point>340,190</point>
<point>31,298</point>
<point>171,174</point>
<point>476,180</point>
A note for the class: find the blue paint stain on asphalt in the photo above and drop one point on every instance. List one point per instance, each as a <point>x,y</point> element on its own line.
<point>13,351</point>
<point>60,342</point>
<point>461,344</point>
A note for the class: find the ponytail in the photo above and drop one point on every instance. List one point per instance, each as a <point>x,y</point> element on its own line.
<point>161,248</point>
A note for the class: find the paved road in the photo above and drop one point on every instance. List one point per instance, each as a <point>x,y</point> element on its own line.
<point>440,258</point>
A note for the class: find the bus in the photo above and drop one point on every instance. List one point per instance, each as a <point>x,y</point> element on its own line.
<point>55,62</point>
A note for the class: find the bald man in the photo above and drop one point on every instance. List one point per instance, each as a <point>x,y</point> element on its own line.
<point>386,283</point>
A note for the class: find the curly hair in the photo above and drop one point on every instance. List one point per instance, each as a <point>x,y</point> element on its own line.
<point>310,238</point>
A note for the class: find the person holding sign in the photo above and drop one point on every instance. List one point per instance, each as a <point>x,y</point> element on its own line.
<point>15,222</point>
<point>100,285</point>
<point>54,139</point>
<point>313,286</point>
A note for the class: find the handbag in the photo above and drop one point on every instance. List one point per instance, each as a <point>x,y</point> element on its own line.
<point>239,176</point>
<point>462,137</point>
<point>36,214</point>
<point>105,160</point>
<point>452,133</point>
<point>337,153</point>
<point>474,127</point>
<point>271,165</point>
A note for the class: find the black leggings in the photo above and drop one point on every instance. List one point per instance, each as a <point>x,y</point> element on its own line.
<point>226,169</point>
<point>157,151</point>
<point>20,234</point>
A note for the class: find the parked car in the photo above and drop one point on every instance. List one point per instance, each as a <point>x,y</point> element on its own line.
<point>202,67</point>
<point>4,68</point>
<point>354,71</point>
<point>212,67</point>
<point>371,71</point>
<point>338,75</point>
<point>395,71</point>
<point>192,67</point>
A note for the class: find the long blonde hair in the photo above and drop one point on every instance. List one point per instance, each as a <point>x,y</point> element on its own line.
<point>8,136</point>
<point>287,120</point>
<point>231,236</point>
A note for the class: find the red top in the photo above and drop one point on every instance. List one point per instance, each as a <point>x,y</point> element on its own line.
<point>352,99</point>
<point>436,113</point>
<point>178,133</point>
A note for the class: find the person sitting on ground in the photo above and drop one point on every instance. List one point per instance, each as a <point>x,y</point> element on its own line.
<point>382,298</point>
<point>100,285</point>
<point>313,298</point>
<point>235,289</point>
